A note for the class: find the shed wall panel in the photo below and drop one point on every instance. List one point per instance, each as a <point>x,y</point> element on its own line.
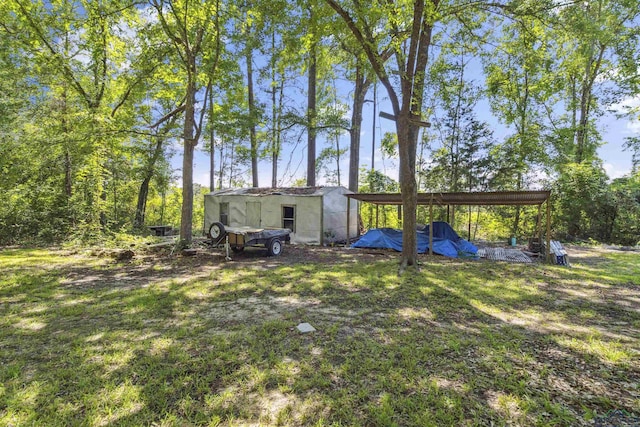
<point>335,216</point>
<point>308,212</point>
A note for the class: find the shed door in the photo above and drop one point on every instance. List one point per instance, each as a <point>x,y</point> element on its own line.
<point>253,214</point>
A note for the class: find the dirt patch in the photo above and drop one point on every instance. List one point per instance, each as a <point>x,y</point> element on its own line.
<point>258,257</point>
<point>511,344</point>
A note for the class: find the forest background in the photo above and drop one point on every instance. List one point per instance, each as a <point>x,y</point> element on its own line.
<point>104,105</point>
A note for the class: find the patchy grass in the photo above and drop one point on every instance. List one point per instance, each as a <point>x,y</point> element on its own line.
<point>177,341</point>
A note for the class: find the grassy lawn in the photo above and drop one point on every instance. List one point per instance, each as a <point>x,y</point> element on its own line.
<point>197,341</point>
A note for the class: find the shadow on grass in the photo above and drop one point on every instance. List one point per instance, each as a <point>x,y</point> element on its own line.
<point>137,345</point>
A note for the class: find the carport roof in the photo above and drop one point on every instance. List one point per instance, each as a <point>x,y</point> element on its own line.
<point>513,198</point>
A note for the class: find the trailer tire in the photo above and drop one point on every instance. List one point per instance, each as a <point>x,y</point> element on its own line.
<point>274,247</point>
<point>216,231</point>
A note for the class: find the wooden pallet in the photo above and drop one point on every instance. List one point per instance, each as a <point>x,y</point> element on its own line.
<point>502,254</point>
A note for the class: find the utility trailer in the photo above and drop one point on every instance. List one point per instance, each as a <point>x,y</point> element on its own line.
<point>238,238</point>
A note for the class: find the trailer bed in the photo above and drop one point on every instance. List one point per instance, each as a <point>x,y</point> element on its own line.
<point>237,238</point>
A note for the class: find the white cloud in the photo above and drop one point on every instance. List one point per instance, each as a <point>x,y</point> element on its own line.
<point>148,14</point>
<point>627,105</point>
<point>629,108</point>
<point>633,126</point>
<point>614,172</point>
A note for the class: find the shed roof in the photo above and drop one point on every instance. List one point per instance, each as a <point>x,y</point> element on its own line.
<point>467,199</point>
<point>288,191</point>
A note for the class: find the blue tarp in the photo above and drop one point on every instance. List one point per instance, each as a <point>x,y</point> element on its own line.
<point>445,241</point>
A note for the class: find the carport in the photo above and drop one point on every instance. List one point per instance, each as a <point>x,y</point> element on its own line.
<point>492,198</point>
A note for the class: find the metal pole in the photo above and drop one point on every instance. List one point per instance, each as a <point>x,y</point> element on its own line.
<point>469,229</point>
<point>373,130</point>
<point>539,224</point>
<point>548,231</point>
<point>348,220</point>
<point>431,225</point>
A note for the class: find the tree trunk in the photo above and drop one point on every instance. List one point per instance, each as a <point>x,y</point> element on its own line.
<point>311,119</point>
<point>212,144</point>
<point>412,65</point>
<point>360,91</point>
<point>591,71</point>
<point>252,128</point>
<point>275,120</point>
<point>186,217</point>
<point>220,170</point>
<point>141,206</point>
<point>67,156</point>
<point>233,151</point>
<point>143,193</point>
<point>103,202</point>
<point>338,158</point>
<point>68,190</point>
<point>277,96</point>
<point>407,146</point>
<point>275,147</point>
<point>516,218</point>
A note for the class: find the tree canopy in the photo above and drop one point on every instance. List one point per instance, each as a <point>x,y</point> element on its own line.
<point>103,105</point>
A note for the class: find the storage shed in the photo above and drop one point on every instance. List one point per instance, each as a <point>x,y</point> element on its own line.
<point>315,215</point>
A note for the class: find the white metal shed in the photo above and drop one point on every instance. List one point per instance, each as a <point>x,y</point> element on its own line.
<point>315,215</point>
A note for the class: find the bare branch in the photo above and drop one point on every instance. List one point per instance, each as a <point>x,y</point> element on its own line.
<point>167,116</point>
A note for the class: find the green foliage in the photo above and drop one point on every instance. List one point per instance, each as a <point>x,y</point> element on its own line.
<point>520,85</point>
<point>93,96</point>
<point>626,192</point>
<point>325,162</point>
<point>462,160</point>
<point>584,203</point>
<point>382,215</point>
<point>389,144</point>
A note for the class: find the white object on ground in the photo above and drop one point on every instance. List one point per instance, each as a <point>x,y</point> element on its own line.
<point>305,327</point>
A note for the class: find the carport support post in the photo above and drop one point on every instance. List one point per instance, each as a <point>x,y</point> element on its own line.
<point>539,223</point>
<point>348,221</point>
<point>377,214</point>
<point>548,248</point>
<point>431,226</point>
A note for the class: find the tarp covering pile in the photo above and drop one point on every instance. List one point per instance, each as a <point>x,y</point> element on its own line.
<point>445,241</point>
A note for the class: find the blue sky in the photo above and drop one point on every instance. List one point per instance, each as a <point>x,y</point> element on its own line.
<point>614,130</point>
<point>616,161</point>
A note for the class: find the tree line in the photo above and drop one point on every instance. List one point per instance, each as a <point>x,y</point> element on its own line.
<point>97,96</point>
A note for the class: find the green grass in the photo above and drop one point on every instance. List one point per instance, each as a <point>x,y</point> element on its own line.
<point>87,341</point>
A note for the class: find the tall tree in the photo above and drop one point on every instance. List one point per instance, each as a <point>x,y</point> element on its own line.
<point>250,27</point>
<point>461,161</point>
<point>194,29</point>
<point>79,58</point>
<point>312,78</point>
<point>409,27</point>
<point>280,44</point>
<point>252,117</point>
<point>154,154</point>
<point>360,74</point>
<point>277,82</point>
<point>520,84</point>
<point>596,43</point>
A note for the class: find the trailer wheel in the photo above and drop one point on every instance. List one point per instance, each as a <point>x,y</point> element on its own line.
<point>274,247</point>
<point>216,231</point>
<point>237,249</point>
